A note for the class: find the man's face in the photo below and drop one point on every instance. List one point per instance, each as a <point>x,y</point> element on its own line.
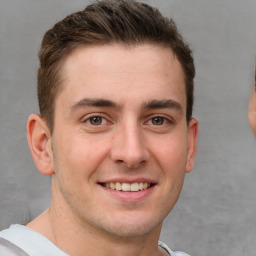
<point>252,112</point>
<point>120,125</point>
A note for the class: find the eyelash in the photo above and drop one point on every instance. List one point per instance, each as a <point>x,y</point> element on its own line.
<point>89,118</point>
<point>166,120</point>
<point>150,120</point>
<point>156,119</point>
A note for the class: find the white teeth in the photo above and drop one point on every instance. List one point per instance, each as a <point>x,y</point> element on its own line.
<point>127,186</point>
<point>134,187</point>
<point>112,185</point>
<point>118,186</point>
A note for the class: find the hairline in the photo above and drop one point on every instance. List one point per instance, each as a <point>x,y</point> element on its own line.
<point>60,76</point>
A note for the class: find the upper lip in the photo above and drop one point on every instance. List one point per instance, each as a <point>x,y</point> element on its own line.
<point>128,180</point>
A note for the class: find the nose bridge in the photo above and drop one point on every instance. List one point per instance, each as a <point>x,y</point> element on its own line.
<point>129,145</point>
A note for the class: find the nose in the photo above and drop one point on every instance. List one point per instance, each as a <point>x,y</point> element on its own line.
<point>129,147</point>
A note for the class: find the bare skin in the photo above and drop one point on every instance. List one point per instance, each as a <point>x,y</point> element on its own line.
<point>120,119</point>
<point>252,112</point>
<point>136,246</point>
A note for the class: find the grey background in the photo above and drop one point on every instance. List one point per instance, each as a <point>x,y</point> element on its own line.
<point>216,213</point>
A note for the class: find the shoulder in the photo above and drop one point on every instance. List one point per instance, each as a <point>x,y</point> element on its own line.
<point>166,248</point>
<point>26,240</point>
<point>178,253</point>
<point>9,249</point>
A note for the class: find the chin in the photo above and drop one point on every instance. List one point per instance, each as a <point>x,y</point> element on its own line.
<point>130,231</point>
<point>129,226</point>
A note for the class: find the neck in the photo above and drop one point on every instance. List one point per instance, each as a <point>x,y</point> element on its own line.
<point>75,237</point>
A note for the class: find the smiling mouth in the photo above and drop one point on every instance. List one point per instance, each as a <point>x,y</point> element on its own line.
<point>127,187</point>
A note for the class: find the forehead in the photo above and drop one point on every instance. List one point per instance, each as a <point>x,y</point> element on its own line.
<point>122,72</point>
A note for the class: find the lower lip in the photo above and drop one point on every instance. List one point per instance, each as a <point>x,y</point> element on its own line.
<point>130,196</point>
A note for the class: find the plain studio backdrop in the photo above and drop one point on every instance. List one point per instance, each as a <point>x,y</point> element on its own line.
<point>216,213</point>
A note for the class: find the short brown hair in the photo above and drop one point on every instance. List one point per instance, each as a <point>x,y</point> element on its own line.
<point>126,22</point>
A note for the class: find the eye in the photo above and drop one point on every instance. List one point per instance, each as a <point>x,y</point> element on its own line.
<point>95,120</point>
<point>158,120</point>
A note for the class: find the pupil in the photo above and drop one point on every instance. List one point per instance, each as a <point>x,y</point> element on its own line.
<point>158,120</point>
<point>96,120</point>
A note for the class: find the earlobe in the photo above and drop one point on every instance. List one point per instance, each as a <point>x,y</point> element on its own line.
<point>39,140</point>
<point>192,144</point>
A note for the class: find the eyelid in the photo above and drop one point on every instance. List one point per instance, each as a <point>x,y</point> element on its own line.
<point>167,118</point>
<point>88,116</point>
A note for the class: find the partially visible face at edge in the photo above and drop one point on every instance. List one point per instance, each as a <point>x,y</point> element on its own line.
<point>252,108</point>
<point>121,118</point>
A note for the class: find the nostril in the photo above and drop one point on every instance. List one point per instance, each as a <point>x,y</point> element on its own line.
<point>119,161</point>
<point>130,164</point>
<point>135,164</point>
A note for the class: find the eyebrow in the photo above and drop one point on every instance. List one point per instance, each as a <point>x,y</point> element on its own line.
<point>87,102</point>
<point>154,104</point>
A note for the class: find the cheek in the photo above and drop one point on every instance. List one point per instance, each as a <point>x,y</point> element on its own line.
<point>172,153</point>
<point>81,154</point>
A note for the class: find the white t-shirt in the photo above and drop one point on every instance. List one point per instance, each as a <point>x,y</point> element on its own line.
<point>20,240</point>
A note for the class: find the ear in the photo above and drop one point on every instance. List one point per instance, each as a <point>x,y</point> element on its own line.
<point>39,140</point>
<point>252,112</point>
<point>192,144</point>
